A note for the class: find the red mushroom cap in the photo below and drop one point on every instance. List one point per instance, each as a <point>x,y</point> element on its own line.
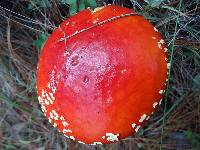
<point>99,85</point>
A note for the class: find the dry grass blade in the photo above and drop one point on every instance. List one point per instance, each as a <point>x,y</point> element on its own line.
<point>22,124</point>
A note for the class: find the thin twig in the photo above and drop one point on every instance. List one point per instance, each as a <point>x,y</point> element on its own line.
<point>24,18</point>
<point>98,24</point>
<point>21,23</point>
<point>8,39</point>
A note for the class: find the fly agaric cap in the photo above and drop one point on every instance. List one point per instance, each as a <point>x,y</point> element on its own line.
<point>101,74</point>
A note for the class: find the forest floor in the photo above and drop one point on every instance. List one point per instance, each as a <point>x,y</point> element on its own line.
<point>24,26</point>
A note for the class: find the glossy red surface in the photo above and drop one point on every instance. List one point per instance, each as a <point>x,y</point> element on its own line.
<point>97,84</point>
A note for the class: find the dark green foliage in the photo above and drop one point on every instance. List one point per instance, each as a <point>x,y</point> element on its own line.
<point>194,138</point>
<point>74,5</point>
<point>40,40</point>
<point>78,5</point>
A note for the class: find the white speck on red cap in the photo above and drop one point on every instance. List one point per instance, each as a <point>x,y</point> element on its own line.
<point>155,104</point>
<point>133,125</point>
<point>142,118</point>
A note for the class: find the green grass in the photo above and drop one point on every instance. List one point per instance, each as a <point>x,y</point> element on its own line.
<point>169,76</point>
<point>23,29</point>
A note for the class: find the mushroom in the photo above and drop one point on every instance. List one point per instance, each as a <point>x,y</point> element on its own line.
<point>101,74</point>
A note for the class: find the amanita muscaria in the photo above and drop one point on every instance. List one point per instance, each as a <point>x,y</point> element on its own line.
<point>98,81</point>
